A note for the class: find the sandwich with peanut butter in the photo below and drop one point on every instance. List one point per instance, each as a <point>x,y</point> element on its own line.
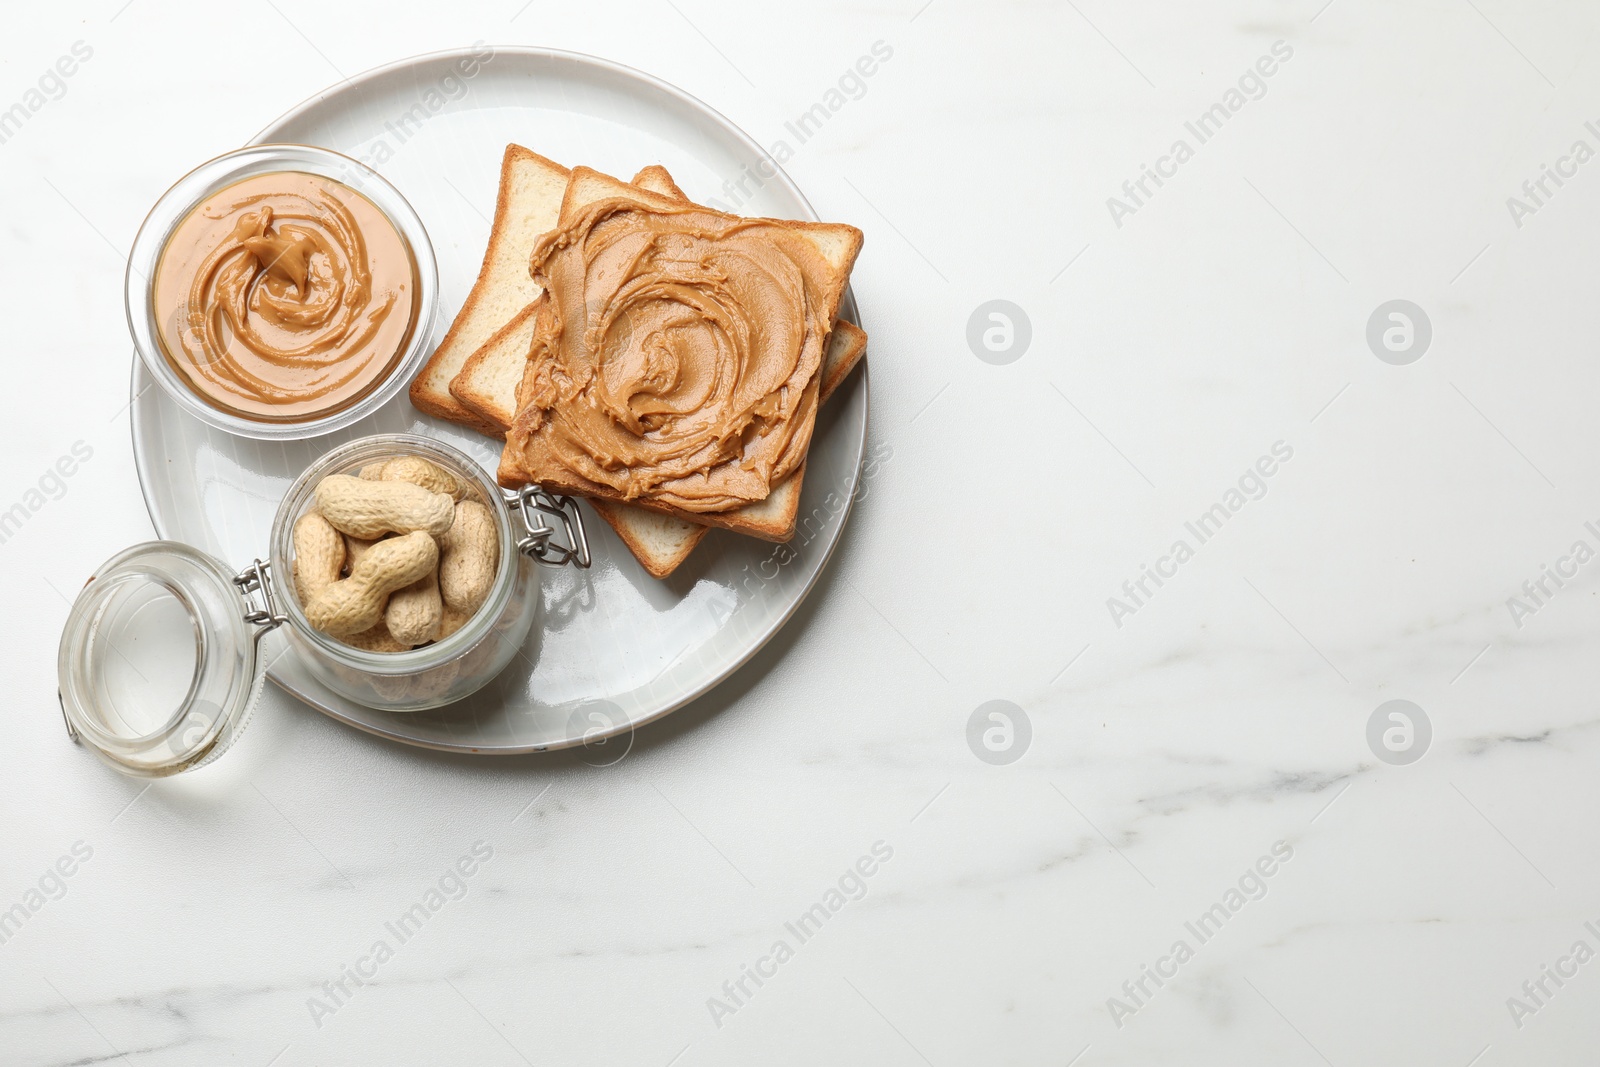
<point>676,364</point>
<point>666,360</point>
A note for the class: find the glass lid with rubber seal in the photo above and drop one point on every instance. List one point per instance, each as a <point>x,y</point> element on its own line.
<point>157,664</point>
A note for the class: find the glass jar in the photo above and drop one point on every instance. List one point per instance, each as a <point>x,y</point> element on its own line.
<point>159,664</point>
<point>191,191</point>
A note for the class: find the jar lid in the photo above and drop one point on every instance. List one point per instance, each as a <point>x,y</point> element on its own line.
<point>157,665</point>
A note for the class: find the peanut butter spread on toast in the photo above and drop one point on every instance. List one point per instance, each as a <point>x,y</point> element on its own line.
<point>676,355</point>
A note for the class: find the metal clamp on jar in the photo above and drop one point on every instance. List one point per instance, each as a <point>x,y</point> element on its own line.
<point>161,660</point>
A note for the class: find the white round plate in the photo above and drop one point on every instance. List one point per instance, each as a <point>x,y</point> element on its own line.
<point>614,648</point>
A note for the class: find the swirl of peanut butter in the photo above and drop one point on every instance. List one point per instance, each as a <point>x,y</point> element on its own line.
<point>676,355</point>
<point>285,296</point>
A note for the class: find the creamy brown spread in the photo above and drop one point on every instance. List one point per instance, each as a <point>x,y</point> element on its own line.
<point>285,296</point>
<point>676,357</point>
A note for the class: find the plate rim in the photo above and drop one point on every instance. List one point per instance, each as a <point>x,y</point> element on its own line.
<point>733,664</point>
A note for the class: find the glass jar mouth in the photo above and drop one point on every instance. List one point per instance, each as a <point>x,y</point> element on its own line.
<point>349,458</point>
<point>188,193</point>
<point>121,587</point>
<point>156,666</point>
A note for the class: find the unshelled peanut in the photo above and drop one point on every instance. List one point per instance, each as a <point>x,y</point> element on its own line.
<point>471,553</point>
<point>370,509</point>
<point>414,613</point>
<point>356,603</point>
<point>418,471</point>
<point>318,555</point>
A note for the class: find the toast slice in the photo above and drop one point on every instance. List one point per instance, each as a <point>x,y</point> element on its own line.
<point>771,518</point>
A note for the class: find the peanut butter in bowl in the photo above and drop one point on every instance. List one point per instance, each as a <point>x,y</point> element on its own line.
<point>285,295</point>
<point>281,291</point>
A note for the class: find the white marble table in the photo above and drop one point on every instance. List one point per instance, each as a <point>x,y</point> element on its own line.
<point>1199,857</point>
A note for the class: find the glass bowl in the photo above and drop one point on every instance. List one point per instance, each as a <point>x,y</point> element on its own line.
<point>179,202</point>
